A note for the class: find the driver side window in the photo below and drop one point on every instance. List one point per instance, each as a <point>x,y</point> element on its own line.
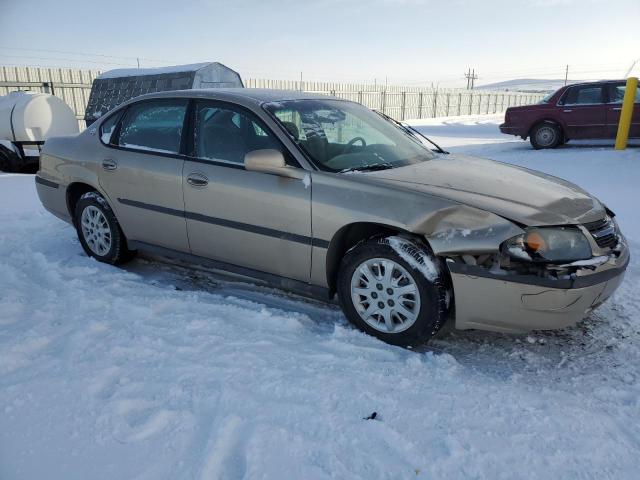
<point>225,134</point>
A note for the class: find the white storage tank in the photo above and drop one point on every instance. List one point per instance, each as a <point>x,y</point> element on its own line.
<point>35,117</point>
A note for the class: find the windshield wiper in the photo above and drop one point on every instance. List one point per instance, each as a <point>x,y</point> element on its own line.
<point>368,168</point>
<point>410,131</point>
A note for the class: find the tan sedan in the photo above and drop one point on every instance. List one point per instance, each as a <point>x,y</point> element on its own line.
<point>323,196</point>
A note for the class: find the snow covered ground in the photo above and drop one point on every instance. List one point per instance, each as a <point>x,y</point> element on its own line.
<point>156,371</point>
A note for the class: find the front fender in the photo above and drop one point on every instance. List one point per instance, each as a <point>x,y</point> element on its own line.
<point>450,227</point>
<point>461,229</point>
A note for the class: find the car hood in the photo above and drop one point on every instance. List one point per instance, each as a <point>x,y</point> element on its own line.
<point>518,194</point>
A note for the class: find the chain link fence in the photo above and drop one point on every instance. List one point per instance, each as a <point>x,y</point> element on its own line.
<point>400,102</point>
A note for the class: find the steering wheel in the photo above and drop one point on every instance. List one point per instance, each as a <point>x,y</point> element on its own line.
<point>352,142</point>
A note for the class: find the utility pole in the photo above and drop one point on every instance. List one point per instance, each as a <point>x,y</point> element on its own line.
<point>471,78</point>
<point>300,81</point>
<point>566,74</point>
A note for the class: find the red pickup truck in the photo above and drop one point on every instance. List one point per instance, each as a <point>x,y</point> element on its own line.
<point>582,110</point>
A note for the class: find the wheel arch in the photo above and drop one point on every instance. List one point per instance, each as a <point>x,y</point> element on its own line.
<point>351,235</point>
<point>75,190</point>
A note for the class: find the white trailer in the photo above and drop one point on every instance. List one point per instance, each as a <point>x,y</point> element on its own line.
<point>27,120</point>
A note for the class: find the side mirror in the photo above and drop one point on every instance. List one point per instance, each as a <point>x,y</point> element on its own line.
<point>268,161</point>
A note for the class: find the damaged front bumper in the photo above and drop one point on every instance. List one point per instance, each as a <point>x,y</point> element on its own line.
<point>502,301</point>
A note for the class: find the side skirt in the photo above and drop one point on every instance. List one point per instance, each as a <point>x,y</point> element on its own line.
<point>284,283</point>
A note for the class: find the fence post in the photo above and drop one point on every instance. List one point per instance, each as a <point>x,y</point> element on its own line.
<point>459,103</point>
<point>448,102</point>
<point>360,97</point>
<point>404,103</point>
<point>420,105</point>
<point>383,100</point>
<point>470,103</point>
<point>435,103</point>
<point>488,103</point>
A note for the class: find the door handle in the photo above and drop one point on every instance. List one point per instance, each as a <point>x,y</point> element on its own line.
<point>197,180</point>
<point>109,164</point>
<point>567,110</point>
<point>616,109</point>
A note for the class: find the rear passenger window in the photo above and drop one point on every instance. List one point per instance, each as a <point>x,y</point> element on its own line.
<point>616,93</point>
<point>225,134</point>
<point>154,125</point>
<point>584,95</point>
<point>107,128</point>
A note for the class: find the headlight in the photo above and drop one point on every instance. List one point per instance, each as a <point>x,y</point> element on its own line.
<point>551,245</point>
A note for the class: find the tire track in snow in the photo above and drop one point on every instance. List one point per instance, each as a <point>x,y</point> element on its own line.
<point>225,457</point>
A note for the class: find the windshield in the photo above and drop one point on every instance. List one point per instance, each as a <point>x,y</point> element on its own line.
<point>547,97</point>
<point>345,136</point>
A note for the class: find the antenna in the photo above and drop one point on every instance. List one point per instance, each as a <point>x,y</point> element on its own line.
<point>631,67</point>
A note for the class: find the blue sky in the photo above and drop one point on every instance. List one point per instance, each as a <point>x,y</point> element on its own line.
<point>405,41</point>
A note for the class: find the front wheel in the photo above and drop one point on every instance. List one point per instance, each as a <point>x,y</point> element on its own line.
<point>98,230</point>
<point>394,289</point>
<point>546,135</point>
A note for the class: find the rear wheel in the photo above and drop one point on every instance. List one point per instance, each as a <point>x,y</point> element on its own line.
<point>393,288</point>
<point>98,230</point>
<point>546,135</point>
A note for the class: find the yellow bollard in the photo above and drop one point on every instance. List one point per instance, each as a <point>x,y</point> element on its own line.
<point>626,113</point>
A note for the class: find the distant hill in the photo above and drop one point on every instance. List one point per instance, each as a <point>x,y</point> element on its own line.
<point>527,85</point>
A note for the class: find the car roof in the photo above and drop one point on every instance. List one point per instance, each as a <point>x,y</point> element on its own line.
<point>594,82</point>
<point>245,96</point>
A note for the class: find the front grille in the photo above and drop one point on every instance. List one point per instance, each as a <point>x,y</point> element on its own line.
<point>604,232</point>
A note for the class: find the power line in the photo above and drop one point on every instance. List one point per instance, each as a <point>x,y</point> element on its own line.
<point>471,78</point>
<point>66,60</point>
<point>86,54</point>
<point>540,70</point>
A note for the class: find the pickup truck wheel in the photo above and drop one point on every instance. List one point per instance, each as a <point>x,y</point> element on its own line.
<point>545,135</point>
<point>393,288</point>
<point>98,230</point>
<point>9,160</point>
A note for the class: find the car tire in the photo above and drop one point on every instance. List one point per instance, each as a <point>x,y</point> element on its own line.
<point>388,310</point>
<point>99,231</point>
<point>546,135</point>
<point>9,160</point>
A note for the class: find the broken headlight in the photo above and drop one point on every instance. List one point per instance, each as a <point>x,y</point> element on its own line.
<point>549,245</point>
